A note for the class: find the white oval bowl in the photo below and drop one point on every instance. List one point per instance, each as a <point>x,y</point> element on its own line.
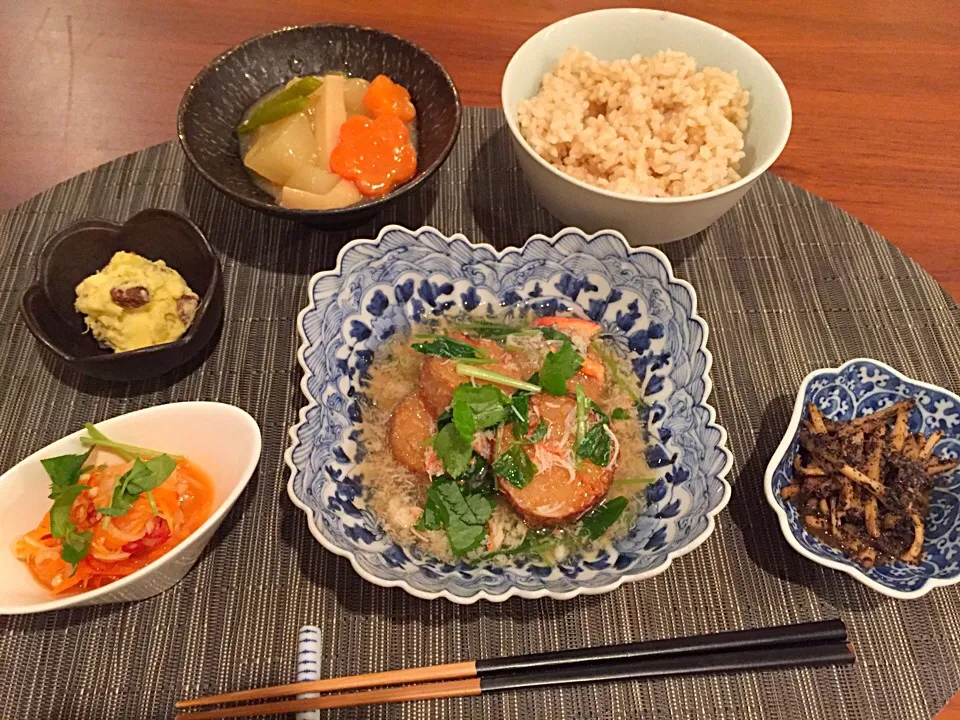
<point>620,33</point>
<point>223,440</point>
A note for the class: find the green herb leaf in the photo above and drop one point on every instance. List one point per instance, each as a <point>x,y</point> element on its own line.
<point>447,347</point>
<point>477,408</point>
<point>598,521</point>
<point>516,466</point>
<point>595,446</point>
<point>551,333</point>
<point>495,377</point>
<point>535,542</point>
<point>520,408</point>
<point>520,401</point>
<point>463,420</point>
<point>490,330</point>
<point>470,509</point>
<point>452,450</point>
<point>463,516</point>
<point>65,470</point>
<point>75,546</point>
<point>479,477</point>
<point>142,477</point>
<point>558,367</point>
<point>63,499</point>
<point>604,418</point>
<point>464,538</point>
<point>434,512</point>
<point>446,417</point>
<point>582,410</point>
<point>540,433</point>
<point>123,450</point>
<point>619,414</point>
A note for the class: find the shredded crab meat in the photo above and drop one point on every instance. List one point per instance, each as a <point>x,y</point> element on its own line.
<point>549,455</point>
<point>615,447</point>
<point>432,462</point>
<point>569,428</point>
<point>580,342</point>
<point>483,444</point>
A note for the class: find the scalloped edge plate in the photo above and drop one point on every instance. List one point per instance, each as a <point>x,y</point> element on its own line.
<point>499,254</point>
<point>786,527</point>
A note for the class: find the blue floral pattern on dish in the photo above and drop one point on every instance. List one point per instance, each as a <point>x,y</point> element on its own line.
<point>858,388</point>
<point>381,287</point>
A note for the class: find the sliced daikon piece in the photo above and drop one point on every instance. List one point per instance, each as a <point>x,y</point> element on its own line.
<point>329,114</point>
<point>282,148</point>
<point>353,91</point>
<point>312,179</point>
<point>343,194</point>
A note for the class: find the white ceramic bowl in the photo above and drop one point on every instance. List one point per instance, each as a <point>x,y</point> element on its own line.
<point>221,439</point>
<point>621,33</point>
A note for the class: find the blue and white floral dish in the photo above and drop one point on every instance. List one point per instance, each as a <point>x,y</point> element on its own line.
<point>380,286</point>
<point>857,388</point>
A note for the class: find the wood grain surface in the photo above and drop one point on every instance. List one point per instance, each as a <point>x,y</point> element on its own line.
<point>875,86</point>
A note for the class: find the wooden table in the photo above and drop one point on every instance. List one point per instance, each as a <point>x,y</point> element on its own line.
<point>875,87</point>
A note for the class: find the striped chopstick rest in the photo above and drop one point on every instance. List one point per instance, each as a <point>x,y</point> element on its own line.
<point>308,664</point>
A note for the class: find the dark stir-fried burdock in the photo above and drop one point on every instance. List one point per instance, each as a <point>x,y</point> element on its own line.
<point>864,486</point>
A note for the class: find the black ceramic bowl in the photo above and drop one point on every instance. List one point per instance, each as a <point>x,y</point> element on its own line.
<point>87,246</point>
<point>220,95</point>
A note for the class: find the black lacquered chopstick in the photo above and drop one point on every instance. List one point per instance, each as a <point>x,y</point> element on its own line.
<point>755,639</point>
<point>777,636</point>
<point>767,658</point>
<point>834,652</point>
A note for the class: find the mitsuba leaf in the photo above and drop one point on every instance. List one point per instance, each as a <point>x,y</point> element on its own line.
<point>447,347</point>
<point>558,367</point>
<point>595,446</point>
<point>479,476</point>
<point>551,333</point>
<point>516,466</point>
<point>452,450</point>
<point>75,546</point>
<point>478,408</point>
<point>143,476</point>
<point>596,522</point>
<point>60,523</point>
<point>65,469</point>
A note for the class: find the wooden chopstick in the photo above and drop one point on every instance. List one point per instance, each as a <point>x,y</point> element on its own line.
<point>776,636</point>
<point>450,671</point>
<point>807,655</point>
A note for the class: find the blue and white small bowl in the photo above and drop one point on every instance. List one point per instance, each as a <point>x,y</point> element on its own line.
<point>857,388</point>
<point>381,286</point>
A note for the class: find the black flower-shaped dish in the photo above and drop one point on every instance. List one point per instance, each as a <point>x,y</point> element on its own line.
<point>223,91</point>
<point>87,246</point>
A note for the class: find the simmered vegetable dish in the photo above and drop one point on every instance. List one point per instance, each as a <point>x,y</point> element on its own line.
<point>321,143</point>
<point>494,439</point>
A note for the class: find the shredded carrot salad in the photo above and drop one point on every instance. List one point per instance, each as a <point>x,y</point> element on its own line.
<point>120,544</point>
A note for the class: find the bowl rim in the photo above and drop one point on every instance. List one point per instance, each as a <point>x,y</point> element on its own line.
<point>295,213</point>
<point>482,594</point>
<point>760,168</point>
<point>89,598</point>
<point>793,427</point>
<point>61,236</point>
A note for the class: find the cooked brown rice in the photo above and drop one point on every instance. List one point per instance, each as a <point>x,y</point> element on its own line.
<point>652,126</point>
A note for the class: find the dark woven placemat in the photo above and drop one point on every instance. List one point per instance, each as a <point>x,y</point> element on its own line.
<point>787,282</point>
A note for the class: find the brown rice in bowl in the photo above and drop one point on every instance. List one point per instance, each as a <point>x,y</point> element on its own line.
<point>646,126</point>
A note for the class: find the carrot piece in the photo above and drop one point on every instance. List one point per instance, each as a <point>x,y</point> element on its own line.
<point>593,368</point>
<point>580,326</point>
<point>385,97</point>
